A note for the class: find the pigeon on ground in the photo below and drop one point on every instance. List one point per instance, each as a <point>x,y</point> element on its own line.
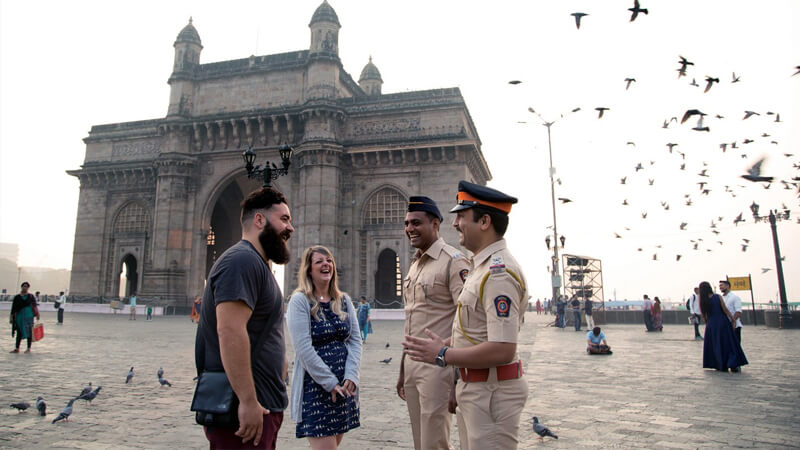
<point>160,372</point>
<point>386,361</point>
<point>387,345</point>
<point>41,406</point>
<point>21,406</point>
<point>578,16</point>
<point>164,382</point>
<point>64,414</point>
<point>542,430</point>
<point>91,395</point>
<point>636,10</point>
<point>130,376</point>
<point>86,390</point>
<point>754,172</point>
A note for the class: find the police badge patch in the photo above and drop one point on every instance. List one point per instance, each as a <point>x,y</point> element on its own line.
<point>463,274</point>
<point>502,305</point>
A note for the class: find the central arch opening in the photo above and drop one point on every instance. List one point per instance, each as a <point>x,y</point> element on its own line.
<point>388,280</point>
<point>128,277</point>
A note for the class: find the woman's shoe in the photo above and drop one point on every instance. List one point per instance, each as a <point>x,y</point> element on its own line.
<point>16,350</point>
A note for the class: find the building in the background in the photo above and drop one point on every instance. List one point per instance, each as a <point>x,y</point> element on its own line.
<point>9,252</point>
<point>159,199</point>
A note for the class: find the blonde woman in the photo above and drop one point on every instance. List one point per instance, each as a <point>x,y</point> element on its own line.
<point>323,326</point>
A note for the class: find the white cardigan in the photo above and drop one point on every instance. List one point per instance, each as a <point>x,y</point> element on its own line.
<point>306,358</point>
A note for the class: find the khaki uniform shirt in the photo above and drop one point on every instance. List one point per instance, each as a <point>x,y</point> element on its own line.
<point>494,299</point>
<point>431,287</point>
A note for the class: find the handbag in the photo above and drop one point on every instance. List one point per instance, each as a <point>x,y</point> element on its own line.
<point>214,402</point>
<point>38,332</point>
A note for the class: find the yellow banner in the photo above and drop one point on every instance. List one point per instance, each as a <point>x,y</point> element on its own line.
<point>739,283</point>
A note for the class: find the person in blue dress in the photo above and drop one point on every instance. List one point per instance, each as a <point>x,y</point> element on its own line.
<point>721,349</point>
<point>324,330</point>
<point>364,322</point>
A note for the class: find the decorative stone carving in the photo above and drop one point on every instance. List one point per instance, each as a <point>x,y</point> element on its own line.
<point>136,149</point>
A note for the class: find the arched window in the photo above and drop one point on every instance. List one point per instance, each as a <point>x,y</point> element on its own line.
<point>133,218</point>
<point>387,206</point>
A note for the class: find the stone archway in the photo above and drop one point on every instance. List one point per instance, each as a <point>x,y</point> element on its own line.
<point>224,226</point>
<point>129,276</point>
<point>388,280</point>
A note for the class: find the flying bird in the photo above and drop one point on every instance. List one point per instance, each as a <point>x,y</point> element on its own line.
<point>735,78</point>
<point>564,200</point>
<point>542,430</point>
<point>765,269</point>
<point>578,16</point>
<point>699,126</point>
<point>514,82</point>
<point>723,146</point>
<point>650,181</point>
<point>638,167</point>
<point>671,146</point>
<point>709,82</point>
<point>738,219</point>
<point>744,247</point>
<point>691,112</point>
<point>798,70</point>
<point>129,377</point>
<point>683,62</point>
<point>748,114</point>
<point>601,109</point>
<point>65,413</point>
<point>683,225</point>
<point>41,406</point>
<point>387,345</point>
<point>644,215</point>
<point>636,10</point>
<point>678,257</point>
<point>622,180</point>
<point>628,82</point>
<point>754,172</point>
<point>625,202</point>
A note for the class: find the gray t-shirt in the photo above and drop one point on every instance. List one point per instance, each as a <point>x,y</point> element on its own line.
<point>240,274</point>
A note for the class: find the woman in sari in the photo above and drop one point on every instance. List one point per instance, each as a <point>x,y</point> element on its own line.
<point>655,313</point>
<point>22,314</point>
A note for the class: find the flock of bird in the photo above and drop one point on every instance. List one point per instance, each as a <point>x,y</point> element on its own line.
<point>703,123</point>
<point>87,394</point>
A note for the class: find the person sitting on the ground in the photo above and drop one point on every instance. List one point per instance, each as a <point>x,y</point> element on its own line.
<point>596,342</point>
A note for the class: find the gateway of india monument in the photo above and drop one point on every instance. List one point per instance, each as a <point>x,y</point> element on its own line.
<point>159,198</point>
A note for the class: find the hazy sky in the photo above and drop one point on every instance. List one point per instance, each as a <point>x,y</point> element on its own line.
<point>65,66</point>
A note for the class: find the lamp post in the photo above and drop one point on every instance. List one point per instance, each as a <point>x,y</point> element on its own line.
<point>555,274</point>
<point>775,216</point>
<point>270,171</point>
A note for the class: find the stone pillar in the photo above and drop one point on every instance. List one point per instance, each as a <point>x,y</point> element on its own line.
<point>172,228</point>
<point>87,254</point>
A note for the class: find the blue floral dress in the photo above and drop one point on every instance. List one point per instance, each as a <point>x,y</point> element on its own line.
<point>322,417</point>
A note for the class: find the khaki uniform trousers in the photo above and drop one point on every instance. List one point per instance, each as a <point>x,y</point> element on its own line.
<point>427,390</point>
<point>489,412</point>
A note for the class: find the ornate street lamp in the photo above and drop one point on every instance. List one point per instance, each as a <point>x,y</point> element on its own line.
<point>270,171</point>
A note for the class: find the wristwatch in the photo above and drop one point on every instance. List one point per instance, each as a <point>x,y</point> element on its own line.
<point>440,357</point>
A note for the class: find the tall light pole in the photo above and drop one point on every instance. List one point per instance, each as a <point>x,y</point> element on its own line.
<point>555,274</point>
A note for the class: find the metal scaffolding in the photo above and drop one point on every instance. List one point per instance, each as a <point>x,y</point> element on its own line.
<point>583,278</point>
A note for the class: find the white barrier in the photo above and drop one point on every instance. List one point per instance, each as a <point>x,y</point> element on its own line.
<point>92,308</point>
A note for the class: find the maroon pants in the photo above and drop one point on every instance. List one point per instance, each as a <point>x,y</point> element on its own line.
<point>224,438</point>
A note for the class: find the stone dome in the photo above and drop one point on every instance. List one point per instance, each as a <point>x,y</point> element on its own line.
<point>189,34</point>
<point>370,72</point>
<point>325,13</point>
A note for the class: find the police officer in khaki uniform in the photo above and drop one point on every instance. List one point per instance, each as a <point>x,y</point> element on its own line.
<point>492,390</point>
<point>432,286</point>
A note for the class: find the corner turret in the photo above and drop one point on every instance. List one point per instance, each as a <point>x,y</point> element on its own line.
<point>370,79</point>
<point>187,57</point>
<point>324,27</point>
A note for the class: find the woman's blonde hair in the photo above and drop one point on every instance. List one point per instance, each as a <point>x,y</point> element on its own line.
<point>305,284</point>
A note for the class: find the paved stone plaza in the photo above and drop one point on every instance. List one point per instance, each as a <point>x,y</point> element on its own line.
<point>650,393</point>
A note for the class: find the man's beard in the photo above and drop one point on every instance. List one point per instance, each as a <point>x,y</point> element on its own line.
<point>274,244</point>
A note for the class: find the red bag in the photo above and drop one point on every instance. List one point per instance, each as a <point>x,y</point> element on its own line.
<point>38,331</point>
